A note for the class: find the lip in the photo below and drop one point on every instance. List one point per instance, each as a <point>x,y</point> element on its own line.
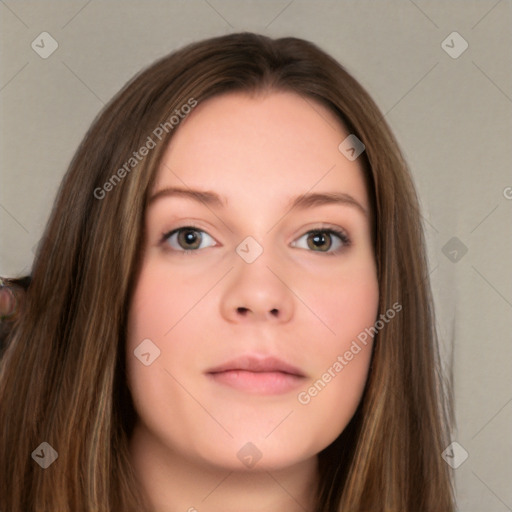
<point>259,375</point>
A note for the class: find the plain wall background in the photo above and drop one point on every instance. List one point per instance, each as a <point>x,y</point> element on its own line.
<point>452,118</point>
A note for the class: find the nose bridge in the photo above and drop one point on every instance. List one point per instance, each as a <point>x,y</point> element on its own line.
<point>257,284</point>
<point>253,263</point>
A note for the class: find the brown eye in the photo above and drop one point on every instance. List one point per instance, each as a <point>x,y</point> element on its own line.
<point>329,241</point>
<point>319,240</point>
<point>187,238</point>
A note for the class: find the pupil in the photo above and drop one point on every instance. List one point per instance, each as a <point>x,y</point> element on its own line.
<point>190,237</point>
<point>319,240</point>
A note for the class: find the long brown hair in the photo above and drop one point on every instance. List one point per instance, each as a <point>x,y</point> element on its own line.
<point>62,377</point>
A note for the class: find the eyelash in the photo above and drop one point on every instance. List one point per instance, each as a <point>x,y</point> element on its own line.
<point>342,235</point>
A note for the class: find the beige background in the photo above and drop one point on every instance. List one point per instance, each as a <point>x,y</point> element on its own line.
<point>452,118</point>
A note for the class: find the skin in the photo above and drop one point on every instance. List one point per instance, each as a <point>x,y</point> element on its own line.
<point>295,301</point>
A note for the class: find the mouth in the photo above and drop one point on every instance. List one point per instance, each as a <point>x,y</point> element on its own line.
<point>269,376</point>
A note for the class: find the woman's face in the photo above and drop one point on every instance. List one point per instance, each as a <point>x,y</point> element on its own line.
<point>243,322</point>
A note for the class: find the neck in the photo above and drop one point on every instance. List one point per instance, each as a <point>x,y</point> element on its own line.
<point>174,483</point>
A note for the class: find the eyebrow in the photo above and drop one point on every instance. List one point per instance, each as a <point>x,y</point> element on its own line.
<point>302,202</point>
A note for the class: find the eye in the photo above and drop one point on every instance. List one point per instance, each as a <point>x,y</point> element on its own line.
<point>190,239</point>
<point>321,240</point>
<point>187,239</point>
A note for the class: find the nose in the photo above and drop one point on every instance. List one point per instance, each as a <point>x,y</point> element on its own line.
<point>258,291</point>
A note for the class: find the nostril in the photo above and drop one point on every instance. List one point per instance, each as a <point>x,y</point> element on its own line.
<point>243,311</point>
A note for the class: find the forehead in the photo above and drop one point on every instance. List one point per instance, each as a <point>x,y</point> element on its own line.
<point>260,148</point>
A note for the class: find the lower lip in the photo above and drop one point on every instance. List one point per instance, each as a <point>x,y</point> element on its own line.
<point>268,383</point>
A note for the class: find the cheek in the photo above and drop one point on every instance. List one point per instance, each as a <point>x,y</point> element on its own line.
<point>340,361</point>
<point>352,305</point>
<point>155,312</point>
<point>161,300</point>
<point>328,402</point>
<point>347,302</point>
<point>158,321</point>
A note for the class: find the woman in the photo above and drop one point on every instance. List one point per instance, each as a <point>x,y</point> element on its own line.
<point>286,359</point>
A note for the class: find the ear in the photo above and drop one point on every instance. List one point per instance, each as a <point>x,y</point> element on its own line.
<point>8,301</point>
<point>11,295</point>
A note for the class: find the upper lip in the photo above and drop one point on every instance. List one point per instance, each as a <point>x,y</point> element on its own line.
<point>257,364</point>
